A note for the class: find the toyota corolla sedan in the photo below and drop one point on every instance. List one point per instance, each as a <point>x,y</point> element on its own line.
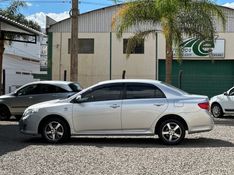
<point>121,107</point>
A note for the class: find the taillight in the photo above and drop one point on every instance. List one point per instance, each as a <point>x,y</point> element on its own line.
<point>204,105</point>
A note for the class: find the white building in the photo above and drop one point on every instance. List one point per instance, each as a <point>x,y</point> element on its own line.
<point>43,53</point>
<point>21,60</point>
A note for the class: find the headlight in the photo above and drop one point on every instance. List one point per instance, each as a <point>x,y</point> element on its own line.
<point>29,112</point>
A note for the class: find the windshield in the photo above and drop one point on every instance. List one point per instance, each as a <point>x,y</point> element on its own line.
<point>75,87</point>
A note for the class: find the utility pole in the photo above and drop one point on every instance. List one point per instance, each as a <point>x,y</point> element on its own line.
<point>74,41</point>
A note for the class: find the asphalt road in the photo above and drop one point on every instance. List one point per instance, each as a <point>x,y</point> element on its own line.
<point>203,154</point>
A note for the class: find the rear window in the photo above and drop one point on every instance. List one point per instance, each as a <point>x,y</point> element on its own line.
<point>75,87</point>
<point>174,90</point>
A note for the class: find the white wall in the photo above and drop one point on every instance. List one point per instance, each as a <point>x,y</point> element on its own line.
<point>27,50</point>
<point>13,64</point>
<point>93,68</point>
<point>20,61</point>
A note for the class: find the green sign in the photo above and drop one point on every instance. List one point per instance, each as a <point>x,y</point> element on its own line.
<point>194,47</point>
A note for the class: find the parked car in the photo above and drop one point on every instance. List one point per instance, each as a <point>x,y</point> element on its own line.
<point>121,107</point>
<point>15,103</point>
<point>223,104</point>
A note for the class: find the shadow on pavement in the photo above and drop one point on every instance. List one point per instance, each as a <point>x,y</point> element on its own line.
<point>12,140</point>
<point>227,120</point>
<point>10,137</point>
<point>150,142</point>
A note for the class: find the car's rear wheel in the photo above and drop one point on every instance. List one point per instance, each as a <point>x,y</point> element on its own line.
<point>4,113</point>
<point>18,117</point>
<point>216,110</point>
<point>55,130</point>
<point>171,132</point>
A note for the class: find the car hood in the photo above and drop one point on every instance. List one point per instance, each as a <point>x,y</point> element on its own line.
<point>220,96</point>
<point>48,103</point>
<point>6,96</point>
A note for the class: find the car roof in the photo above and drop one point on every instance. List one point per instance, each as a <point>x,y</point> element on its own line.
<point>61,84</point>
<point>130,81</point>
<point>51,82</point>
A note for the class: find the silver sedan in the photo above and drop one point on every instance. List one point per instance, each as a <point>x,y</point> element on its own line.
<point>121,107</point>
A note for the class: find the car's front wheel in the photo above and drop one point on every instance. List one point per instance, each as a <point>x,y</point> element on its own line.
<point>171,132</point>
<point>55,130</point>
<point>4,113</point>
<point>216,110</point>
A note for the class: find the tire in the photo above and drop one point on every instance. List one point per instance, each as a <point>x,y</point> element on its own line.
<point>55,130</point>
<point>216,111</point>
<point>4,113</point>
<point>171,132</point>
<point>18,117</point>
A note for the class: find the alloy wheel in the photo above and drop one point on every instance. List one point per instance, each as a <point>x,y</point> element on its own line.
<point>54,131</point>
<point>171,132</point>
<point>216,111</point>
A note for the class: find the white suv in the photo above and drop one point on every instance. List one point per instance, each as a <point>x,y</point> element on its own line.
<point>223,104</point>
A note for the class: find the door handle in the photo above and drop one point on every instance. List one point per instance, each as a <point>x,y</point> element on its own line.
<point>30,97</point>
<point>158,104</point>
<point>114,106</point>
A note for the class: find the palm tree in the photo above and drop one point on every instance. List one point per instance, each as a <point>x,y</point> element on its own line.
<point>12,12</point>
<point>175,18</point>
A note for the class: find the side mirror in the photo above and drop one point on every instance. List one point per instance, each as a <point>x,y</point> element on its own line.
<point>225,93</point>
<point>79,99</point>
<point>15,93</point>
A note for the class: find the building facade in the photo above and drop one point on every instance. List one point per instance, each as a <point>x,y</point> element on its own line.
<point>102,55</point>
<point>21,57</point>
<point>20,62</point>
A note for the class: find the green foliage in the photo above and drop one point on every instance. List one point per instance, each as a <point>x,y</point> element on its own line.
<point>12,12</point>
<point>116,1</point>
<point>175,18</point>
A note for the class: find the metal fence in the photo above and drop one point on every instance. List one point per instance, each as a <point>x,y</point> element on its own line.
<point>209,85</point>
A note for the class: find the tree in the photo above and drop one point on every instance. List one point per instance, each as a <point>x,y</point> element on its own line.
<point>12,12</point>
<point>177,19</point>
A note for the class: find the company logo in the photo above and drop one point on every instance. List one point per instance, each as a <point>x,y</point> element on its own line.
<point>197,46</point>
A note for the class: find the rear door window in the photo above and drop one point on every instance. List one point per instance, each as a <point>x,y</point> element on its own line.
<point>75,87</point>
<point>142,90</point>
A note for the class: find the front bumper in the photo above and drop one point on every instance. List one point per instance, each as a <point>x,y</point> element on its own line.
<point>28,125</point>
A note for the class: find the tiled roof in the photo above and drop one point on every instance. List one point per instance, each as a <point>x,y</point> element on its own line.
<point>18,25</point>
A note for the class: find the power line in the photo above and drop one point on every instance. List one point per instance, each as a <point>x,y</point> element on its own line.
<point>61,1</point>
<point>32,1</point>
<point>92,3</point>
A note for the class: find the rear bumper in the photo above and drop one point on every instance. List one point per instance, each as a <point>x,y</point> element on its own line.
<point>200,121</point>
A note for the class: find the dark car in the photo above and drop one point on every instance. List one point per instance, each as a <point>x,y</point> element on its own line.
<point>15,103</point>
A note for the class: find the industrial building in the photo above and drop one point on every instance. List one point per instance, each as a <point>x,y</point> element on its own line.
<point>102,55</point>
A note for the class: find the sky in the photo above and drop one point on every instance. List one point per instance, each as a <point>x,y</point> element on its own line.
<point>59,9</point>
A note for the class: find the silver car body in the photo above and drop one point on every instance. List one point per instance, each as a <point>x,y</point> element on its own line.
<point>121,117</point>
<point>17,103</point>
